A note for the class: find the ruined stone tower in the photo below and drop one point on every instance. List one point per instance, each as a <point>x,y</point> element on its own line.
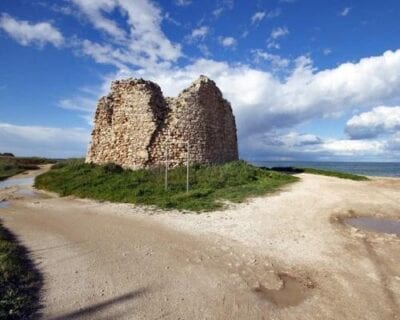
<point>135,126</point>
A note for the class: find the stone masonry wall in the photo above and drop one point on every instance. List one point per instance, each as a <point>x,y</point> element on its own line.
<point>135,126</point>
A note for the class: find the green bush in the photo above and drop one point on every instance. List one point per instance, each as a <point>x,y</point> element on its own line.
<point>112,168</point>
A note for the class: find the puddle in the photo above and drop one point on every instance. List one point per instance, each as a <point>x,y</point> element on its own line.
<point>292,293</point>
<point>16,182</point>
<point>4,204</point>
<point>375,224</point>
<point>26,193</point>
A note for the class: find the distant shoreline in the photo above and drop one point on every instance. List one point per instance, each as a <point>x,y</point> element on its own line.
<point>370,169</point>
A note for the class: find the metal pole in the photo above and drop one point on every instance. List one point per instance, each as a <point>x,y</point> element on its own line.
<point>187,167</point>
<point>166,168</point>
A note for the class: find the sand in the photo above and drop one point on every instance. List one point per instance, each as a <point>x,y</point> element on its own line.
<point>283,256</point>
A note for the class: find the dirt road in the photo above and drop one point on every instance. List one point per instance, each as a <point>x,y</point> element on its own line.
<point>285,256</point>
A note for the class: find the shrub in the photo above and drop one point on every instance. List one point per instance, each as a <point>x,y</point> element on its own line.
<point>112,168</point>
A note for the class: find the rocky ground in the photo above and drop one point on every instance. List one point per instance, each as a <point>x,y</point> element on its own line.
<point>283,256</point>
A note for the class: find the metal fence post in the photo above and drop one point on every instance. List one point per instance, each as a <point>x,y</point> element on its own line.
<point>166,167</point>
<point>187,166</point>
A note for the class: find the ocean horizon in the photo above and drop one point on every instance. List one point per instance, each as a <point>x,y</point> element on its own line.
<point>379,169</point>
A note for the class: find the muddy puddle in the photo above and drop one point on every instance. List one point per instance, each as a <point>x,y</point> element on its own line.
<point>292,292</point>
<point>27,193</point>
<point>16,182</point>
<point>380,225</point>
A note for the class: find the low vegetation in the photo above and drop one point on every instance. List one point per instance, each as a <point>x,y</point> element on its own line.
<point>10,165</point>
<point>210,186</point>
<point>19,280</point>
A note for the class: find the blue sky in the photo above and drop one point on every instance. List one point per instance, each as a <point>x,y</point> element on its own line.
<point>307,79</point>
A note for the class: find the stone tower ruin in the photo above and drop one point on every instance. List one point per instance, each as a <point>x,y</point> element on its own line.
<point>136,127</point>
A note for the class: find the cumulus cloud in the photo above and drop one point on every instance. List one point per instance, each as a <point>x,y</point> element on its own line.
<point>217,12</point>
<point>327,51</point>
<point>228,41</point>
<point>199,33</point>
<point>279,32</point>
<point>394,143</point>
<point>275,60</point>
<point>44,141</point>
<point>380,120</point>
<point>262,100</point>
<point>280,145</point>
<point>257,17</point>
<point>183,3</point>
<point>276,33</point>
<point>265,103</point>
<point>222,5</point>
<point>345,11</point>
<point>143,44</point>
<point>26,33</point>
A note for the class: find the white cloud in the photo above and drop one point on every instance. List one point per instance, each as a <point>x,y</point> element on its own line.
<point>380,120</point>
<point>327,51</point>
<point>258,16</point>
<point>79,103</point>
<point>228,41</point>
<point>168,17</point>
<point>276,33</point>
<point>273,44</point>
<point>262,101</point>
<point>222,6</point>
<point>183,3</point>
<point>274,13</point>
<point>204,50</point>
<point>199,33</point>
<point>281,145</point>
<point>345,11</point>
<point>43,141</point>
<point>95,9</point>
<point>143,44</point>
<point>354,147</point>
<point>217,12</point>
<point>279,32</point>
<point>275,60</point>
<point>26,33</point>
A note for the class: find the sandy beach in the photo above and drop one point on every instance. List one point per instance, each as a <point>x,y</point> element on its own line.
<point>283,256</point>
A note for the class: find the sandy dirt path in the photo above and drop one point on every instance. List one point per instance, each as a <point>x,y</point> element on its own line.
<point>284,256</point>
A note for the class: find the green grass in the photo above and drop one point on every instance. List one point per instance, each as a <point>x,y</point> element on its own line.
<point>10,166</point>
<point>19,280</point>
<point>209,185</point>
<point>336,174</point>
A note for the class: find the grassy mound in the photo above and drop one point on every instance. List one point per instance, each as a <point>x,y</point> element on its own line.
<point>209,185</point>
<point>19,281</point>
<point>10,165</point>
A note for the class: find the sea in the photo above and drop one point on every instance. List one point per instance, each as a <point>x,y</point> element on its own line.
<point>381,169</point>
